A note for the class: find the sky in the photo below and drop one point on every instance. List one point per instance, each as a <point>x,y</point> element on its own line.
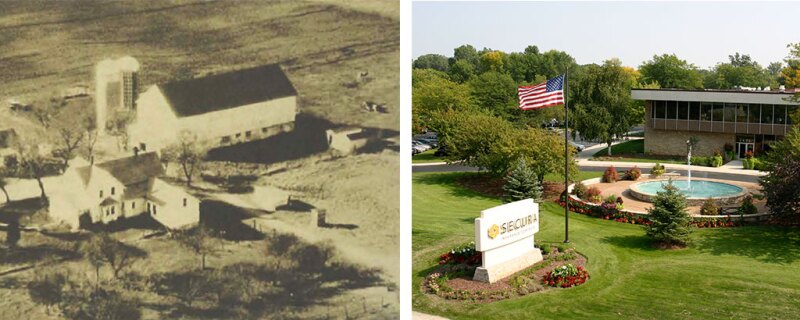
<point>702,33</point>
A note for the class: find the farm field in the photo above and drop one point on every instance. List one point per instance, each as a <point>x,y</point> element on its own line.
<point>741,273</point>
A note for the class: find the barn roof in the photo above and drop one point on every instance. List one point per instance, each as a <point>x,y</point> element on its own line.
<point>227,90</point>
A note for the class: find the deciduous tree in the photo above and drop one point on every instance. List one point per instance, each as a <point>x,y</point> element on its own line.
<point>189,152</point>
<point>601,102</point>
<point>671,72</point>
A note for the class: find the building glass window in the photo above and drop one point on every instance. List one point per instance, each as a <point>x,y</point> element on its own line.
<point>741,113</point>
<point>661,109</point>
<point>694,111</point>
<point>133,205</point>
<point>705,113</point>
<point>683,110</point>
<point>112,210</point>
<point>780,114</point>
<point>184,202</point>
<point>226,139</point>
<point>672,110</point>
<point>716,112</point>
<point>766,113</point>
<point>730,112</point>
<point>101,194</point>
<point>248,134</point>
<point>154,209</point>
<point>238,135</point>
<point>112,191</point>
<point>755,113</point>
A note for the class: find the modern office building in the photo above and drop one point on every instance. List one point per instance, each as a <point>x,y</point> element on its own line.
<point>746,120</point>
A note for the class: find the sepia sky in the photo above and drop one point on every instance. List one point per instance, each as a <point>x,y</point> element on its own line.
<point>702,33</point>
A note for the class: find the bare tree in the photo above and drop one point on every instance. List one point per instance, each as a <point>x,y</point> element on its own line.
<point>117,125</point>
<point>45,113</point>
<point>102,249</point>
<point>189,153</point>
<point>4,183</point>
<point>199,241</point>
<point>90,125</point>
<point>33,163</point>
<point>70,136</point>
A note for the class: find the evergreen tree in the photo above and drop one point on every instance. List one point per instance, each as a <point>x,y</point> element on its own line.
<point>670,221</point>
<point>522,183</point>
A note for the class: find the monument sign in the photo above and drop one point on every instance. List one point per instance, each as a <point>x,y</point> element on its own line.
<point>504,235</point>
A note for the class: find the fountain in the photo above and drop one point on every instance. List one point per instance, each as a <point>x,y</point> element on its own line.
<point>689,144</point>
<point>723,193</point>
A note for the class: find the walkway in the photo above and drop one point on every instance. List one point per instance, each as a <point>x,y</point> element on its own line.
<point>424,316</point>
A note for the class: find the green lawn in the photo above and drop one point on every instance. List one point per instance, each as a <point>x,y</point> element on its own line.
<point>737,273</point>
<point>426,157</point>
<point>632,151</point>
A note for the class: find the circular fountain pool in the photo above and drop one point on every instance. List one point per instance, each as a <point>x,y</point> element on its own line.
<point>699,191</point>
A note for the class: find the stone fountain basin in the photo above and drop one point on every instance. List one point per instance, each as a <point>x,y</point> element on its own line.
<point>729,194</point>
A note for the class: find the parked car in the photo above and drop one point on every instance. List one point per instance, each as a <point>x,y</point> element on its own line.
<point>423,146</point>
<point>417,149</point>
<point>578,146</point>
<point>430,141</point>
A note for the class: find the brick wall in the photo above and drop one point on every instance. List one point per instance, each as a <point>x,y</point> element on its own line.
<point>670,142</point>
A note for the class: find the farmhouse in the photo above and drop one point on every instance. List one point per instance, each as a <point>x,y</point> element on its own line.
<point>222,109</point>
<point>121,188</point>
<point>747,120</point>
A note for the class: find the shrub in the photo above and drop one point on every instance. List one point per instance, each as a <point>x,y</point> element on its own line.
<point>546,249</point>
<point>716,161</point>
<point>579,190</point>
<point>747,206</point>
<point>759,165</point>
<point>563,247</point>
<point>633,174</point>
<point>620,206</point>
<point>611,198</point>
<point>670,221</point>
<point>709,208</point>
<point>522,183</point>
<point>566,276</point>
<point>593,195</point>
<point>657,170</point>
<point>701,161</point>
<point>610,175</point>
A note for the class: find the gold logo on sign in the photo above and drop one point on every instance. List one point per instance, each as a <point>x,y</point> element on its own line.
<point>494,230</point>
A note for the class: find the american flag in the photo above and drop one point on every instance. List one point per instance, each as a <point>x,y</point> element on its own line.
<point>542,95</point>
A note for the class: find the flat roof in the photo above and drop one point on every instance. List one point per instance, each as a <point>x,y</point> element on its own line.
<point>730,96</point>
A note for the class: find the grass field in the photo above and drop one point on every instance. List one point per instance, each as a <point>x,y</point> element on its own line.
<point>632,151</point>
<point>737,273</point>
<point>426,157</point>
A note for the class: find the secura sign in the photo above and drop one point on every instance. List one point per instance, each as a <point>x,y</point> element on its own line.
<point>507,223</point>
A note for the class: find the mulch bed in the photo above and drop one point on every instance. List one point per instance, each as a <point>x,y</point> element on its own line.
<point>482,292</point>
<point>493,186</point>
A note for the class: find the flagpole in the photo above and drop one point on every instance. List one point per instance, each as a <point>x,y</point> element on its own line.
<point>566,159</point>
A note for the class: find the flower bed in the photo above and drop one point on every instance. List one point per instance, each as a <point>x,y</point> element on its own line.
<point>453,281</point>
<point>566,276</point>
<point>463,254</point>
<point>607,211</point>
<point>612,212</point>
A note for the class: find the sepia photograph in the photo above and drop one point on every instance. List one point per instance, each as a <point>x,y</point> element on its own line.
<point>605,160</point>
<point>200,159</point>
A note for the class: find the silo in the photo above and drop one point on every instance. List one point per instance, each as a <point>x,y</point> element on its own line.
<point>115,88</point>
